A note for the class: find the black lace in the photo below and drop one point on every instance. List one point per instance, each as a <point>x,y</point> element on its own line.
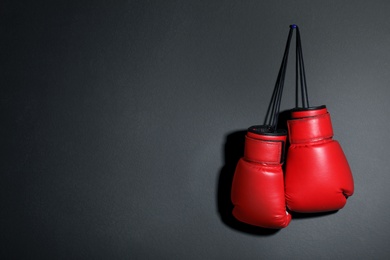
<point>300,76</point>
<point>271,118</point>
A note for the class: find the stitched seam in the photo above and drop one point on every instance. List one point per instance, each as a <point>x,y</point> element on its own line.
<point>274,143</point>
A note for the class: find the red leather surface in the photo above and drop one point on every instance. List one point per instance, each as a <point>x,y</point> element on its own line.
<point>318,177</point>
<point>263,148</point>
<point>310,129</point>
<point>258,188</point>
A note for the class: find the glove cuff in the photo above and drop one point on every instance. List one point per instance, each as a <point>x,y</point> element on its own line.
<point>309,125</point>
<point>307,112</point>
<point>266,148</point>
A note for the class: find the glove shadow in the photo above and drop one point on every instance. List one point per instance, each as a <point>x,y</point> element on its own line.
<point>233,150</point>
<point>298,215</point>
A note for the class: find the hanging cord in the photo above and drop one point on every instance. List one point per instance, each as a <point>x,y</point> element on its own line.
<point>300,76</point>
<point>271,119</point>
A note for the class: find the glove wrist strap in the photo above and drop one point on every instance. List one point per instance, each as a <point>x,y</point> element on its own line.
<point>266,149</point>
<point>310,129</point>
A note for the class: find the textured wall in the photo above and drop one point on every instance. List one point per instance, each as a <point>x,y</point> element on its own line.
<point>123,120</point>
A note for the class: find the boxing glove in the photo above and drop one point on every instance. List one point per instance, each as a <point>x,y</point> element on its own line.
<point>258,186</point>
<point>318,177</point>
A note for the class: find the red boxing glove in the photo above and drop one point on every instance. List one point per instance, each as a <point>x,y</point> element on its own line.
<point>318,177</point>
<point>258,185</point>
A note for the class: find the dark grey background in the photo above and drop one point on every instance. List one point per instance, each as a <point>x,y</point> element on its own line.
<point>121,125</point>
